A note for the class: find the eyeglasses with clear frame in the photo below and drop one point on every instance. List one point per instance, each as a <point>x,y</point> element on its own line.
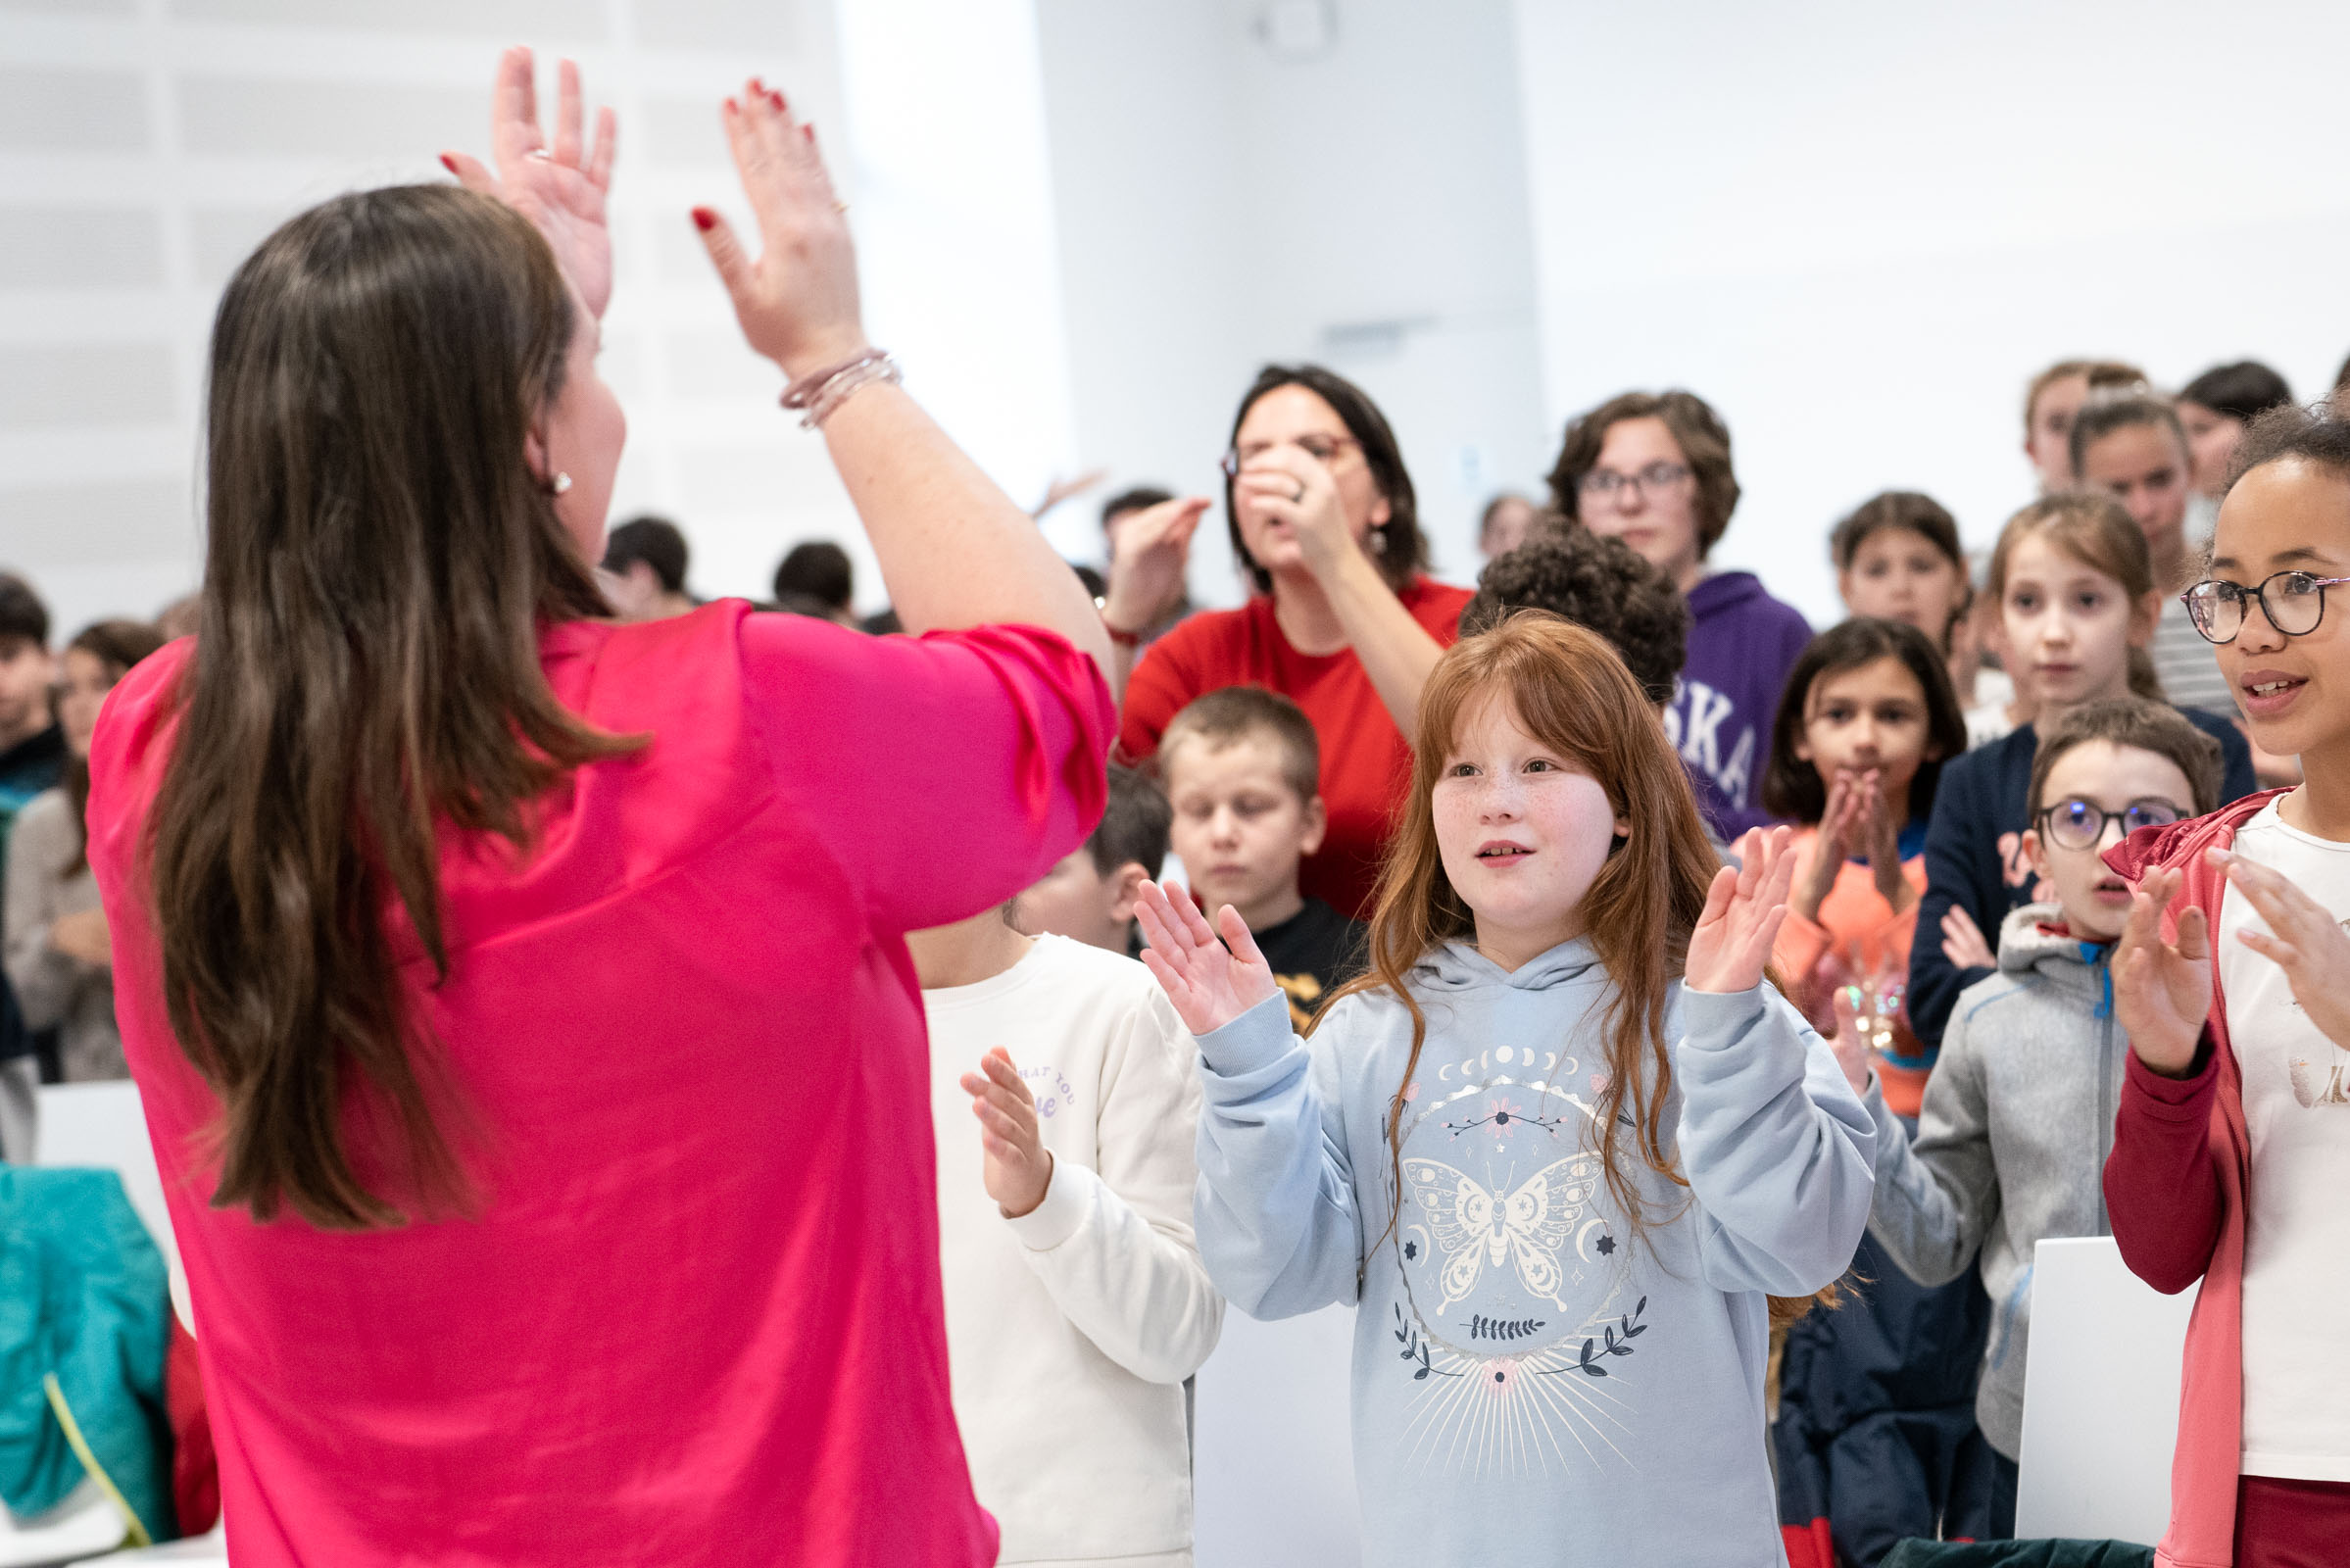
<point>1606,484</point>
<point>2294,601</point>
<point>2078,824</point>
<point>1323,449</point>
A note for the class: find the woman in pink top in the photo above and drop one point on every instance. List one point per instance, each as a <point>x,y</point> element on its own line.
<point>518,999</point>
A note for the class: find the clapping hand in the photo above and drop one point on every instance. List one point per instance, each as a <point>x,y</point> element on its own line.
<point>1017,1167</point>
<point>1211,982</point>
<point>796,299</point>
<point>2162,990</point>
<point>561,194</point>
<point>1963,940</point>
<point>1743,913</point>
<point>2303,939</point>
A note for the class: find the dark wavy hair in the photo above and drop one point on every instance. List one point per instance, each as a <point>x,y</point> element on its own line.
<point>1406,556</point>
<point>1704,442</point>
<point>2313,434</point>
<point>380,561</point>
<point>1603,585</point>
<point>1793,787</point>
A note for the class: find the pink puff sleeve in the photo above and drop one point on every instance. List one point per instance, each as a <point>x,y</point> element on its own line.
<point>946,773</point>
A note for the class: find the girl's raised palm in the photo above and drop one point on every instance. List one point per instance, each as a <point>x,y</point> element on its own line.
<point>1211,982</point>
<point>2162,990</point>
<point>1743,913</point>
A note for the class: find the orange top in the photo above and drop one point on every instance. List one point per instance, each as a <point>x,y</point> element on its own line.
<point>1857,940</point>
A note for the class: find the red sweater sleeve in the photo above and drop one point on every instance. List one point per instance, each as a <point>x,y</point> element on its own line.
<point>2161,1188</point>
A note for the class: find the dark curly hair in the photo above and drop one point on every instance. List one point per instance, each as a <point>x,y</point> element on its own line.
<point>1603,585</point>
<point>2314,434</point>
<point>1405,555</point>
<point>1704,442</point>
<point>1791,786</point>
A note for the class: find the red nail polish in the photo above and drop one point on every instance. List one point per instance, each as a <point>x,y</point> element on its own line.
<point>733,108</point>
<point>449,162</point>
<point>705,219</point>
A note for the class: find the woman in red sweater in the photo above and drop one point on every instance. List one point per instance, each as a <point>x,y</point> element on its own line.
<point>518,1000</point>
<point>1345,622</point>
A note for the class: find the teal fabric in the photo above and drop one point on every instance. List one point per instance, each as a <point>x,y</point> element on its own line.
<point>83,1295</point>
<point>2018,1554</point>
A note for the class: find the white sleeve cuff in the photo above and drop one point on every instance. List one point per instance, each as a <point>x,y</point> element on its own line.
<point>1068,1196</point>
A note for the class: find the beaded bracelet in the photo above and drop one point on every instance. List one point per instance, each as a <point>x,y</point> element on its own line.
<point>827,389</point>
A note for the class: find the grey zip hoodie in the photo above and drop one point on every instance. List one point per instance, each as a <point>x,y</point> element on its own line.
<point>1534,1383</point>
<point>2011,1140</point>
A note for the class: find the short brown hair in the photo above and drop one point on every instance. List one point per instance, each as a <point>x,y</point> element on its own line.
<point>2107,412</point>
<point>1603,585</point>
<point>2143,725</point>
<point>1704,442</point>
<point>2099,374</point>
<point>1240,712</point>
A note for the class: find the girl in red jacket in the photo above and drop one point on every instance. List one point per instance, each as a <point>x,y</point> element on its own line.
<point>2231,1150</point>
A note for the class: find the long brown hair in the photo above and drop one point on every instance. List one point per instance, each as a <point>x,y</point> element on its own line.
<point>367,670</point>
<point>117,645</point>
<point>1571,692</point>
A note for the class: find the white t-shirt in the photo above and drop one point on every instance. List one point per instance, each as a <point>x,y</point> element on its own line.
<point>2298,1242</point>
<point>1070,1330</point>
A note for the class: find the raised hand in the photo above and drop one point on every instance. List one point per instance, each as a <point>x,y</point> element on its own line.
<point>1963,941</point>
<point>1212,982</point>
<point>1851,1041</point>
<point>1831,849</point>
<point>1882,838</point>
<point>2303,939</point>
<point>1296,488</point>
<point>558,191</point>
<point>2162,990</point>
<point>1743,913</point>
<point>1147,565</point>
<point>796,299</point>
<point>1017,1167</point>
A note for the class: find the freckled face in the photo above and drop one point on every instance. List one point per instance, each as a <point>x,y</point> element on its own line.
<point>1521,829</point>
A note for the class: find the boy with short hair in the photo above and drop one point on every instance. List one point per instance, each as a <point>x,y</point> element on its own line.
<point>32,756</point>
<point>2019,1114</point>
<point>1242,768</point>
<point>1089,894</point>
<point>1066,1106</point>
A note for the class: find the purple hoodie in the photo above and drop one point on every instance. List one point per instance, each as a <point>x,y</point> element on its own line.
<point>1742,644</point>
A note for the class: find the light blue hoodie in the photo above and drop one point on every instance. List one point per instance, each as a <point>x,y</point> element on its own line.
<point>1531,1383</point>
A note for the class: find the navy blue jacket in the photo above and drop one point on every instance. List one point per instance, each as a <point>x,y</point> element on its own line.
<point>1974,857</point>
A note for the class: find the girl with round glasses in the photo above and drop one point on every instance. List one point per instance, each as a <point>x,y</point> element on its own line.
<point>2231,1150</point>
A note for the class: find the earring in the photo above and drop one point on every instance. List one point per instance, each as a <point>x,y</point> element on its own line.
<point>560,484</point>
<point>1377,540</point>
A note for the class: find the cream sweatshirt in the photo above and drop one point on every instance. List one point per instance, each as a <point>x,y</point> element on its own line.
<point>1070,1330</point>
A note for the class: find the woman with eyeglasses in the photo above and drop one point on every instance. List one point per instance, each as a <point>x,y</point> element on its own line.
<point>1344,621</point>
<point>1653,471</point>
<point>2230,1162</point>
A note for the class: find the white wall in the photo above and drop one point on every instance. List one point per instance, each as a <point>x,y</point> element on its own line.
<point>147,145</point>
<point>1859,230</point>
<point>1223,204</point>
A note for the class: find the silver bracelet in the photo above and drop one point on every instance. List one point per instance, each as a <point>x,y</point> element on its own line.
<point>840,386</point>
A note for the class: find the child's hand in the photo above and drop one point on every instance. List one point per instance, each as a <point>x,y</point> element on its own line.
<point>1743,913</point>
<point>1209,983</point>
<point>2162,990</point>
<point>1963,941</point>
<point>1851,1041</point>
<point>2303,939</point>
<point>1883,844</point>
<point>1829,851</point>
<point>1018,1166</point>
